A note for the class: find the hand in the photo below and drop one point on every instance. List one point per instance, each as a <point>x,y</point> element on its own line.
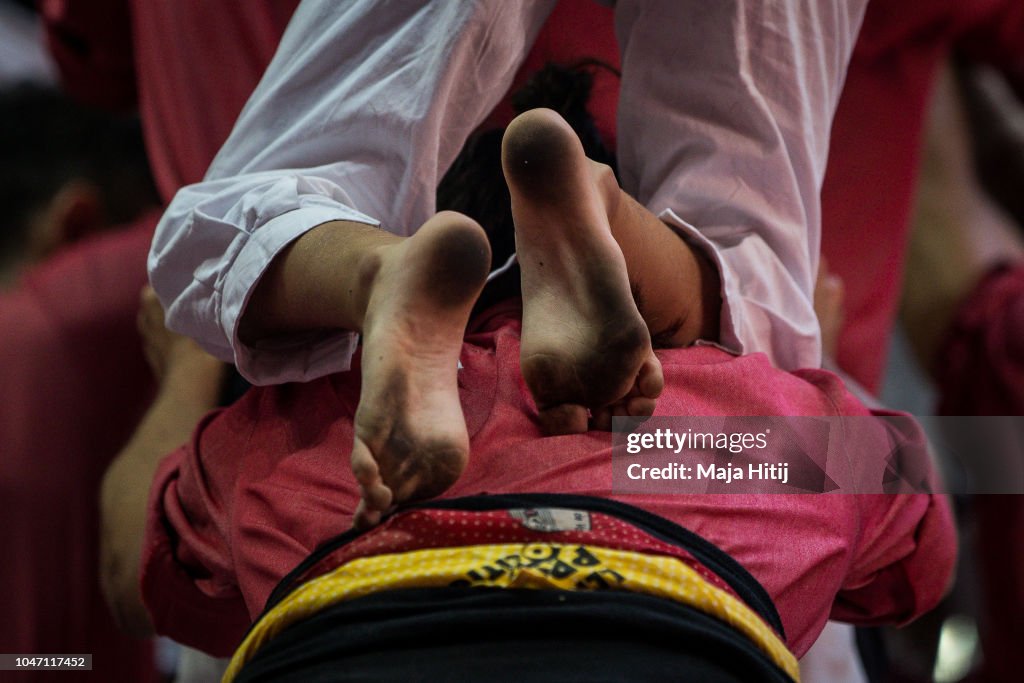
<point>174,355</point>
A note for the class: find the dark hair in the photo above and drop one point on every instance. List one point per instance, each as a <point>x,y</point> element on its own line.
<point>47,140</point>
<point>475,185</point>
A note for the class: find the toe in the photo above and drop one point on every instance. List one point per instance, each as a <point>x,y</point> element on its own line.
<point>649,379</point>
<point>365,518</point>
<point>563,419</point>
<point>374,492</point>
<point>640,406</point>
<point>631,406</point>
<point>377,496</point>
<point>364,467</point>
<point>601,419</point>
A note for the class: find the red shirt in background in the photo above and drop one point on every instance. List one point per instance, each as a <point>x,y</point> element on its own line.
<point>875,151</point>
<point>74,378</point>
<point>75,384</point>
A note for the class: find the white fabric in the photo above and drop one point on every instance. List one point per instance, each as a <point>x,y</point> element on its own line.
<point>23,54</point>
<point>834,657</point>
<point>723,125</point>
<point>198,667</point>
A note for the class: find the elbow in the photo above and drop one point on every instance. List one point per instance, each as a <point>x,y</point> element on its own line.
<point>124,599</point>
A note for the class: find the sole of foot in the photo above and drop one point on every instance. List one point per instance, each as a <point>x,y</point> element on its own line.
<point>410,433</point>
<point>586,352</point>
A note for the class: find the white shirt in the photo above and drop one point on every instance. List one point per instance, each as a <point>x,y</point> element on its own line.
<point>723,132</point>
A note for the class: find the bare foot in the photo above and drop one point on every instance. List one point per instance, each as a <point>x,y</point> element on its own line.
<point>410,434</point>
<point>585,345</point>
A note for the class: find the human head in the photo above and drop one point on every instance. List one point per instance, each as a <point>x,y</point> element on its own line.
<point>66,171</point>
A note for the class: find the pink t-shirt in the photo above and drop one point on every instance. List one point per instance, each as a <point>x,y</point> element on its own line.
<point>263,483</point>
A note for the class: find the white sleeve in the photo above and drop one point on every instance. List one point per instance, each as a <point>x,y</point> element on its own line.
<point>362,109</point>
<point>723,129</point>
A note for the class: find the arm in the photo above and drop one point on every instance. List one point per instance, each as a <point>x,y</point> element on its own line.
<point>958,235</point>
<point>189,386</point>
<point>387,98</point>
<point>724,118</point>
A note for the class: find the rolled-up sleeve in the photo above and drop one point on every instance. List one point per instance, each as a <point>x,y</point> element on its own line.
<point>360,112</point>
<point>211,251</point>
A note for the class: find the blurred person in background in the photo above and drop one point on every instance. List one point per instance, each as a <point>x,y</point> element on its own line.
<point>73,371</point>
<point>77,189</point>
<point>963,311</point>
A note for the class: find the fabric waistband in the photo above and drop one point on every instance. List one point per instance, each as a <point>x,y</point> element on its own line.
<point>536,565</point>
<point>538,541</point>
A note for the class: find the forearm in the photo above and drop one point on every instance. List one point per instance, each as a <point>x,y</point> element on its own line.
<point>676,285</point>
<point>369,147</point>
<point>320,281</point>
<point>212,248</point>
<point>711,144</point>
<point>190,389</point>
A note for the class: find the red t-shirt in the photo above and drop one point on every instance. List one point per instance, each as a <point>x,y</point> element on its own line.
<point>188,65</point>
<point>75,384</point>
<point>875,151</point>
